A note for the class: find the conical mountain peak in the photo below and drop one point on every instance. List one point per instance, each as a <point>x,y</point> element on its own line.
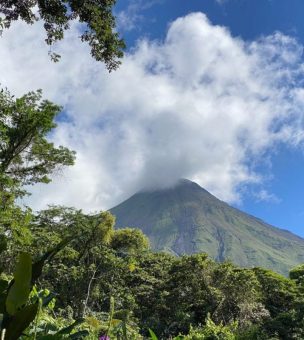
<point>186,219</point>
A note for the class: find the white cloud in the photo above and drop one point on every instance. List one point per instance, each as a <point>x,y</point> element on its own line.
<point>221,2</point>
<point>264,196</point>
<point>202,105</point>
<point>130,18</point>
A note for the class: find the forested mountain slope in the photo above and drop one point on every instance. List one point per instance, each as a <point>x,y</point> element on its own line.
<point>187,219</point>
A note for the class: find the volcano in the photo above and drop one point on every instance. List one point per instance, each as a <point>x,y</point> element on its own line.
<point>187,219</point>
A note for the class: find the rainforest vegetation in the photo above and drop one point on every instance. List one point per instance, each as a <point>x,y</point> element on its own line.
<point>68,274</point>
<point>65,273</point>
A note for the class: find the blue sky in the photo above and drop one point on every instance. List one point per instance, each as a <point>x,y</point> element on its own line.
<point>249,20</point>
<point>245,18</point>
<point>208,90</point>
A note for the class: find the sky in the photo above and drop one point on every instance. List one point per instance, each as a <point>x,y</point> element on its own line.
<point>208,90</point>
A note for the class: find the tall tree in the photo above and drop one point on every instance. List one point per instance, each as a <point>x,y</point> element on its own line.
<point>26,156</point>
<point>96,16</point>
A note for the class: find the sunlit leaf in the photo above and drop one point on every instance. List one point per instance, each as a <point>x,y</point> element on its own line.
<point>152,335</point>
<point>19,291</point>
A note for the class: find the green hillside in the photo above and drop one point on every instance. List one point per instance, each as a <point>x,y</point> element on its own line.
<point>187,219</point>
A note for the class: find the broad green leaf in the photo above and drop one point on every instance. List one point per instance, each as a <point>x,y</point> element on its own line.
<point>152,335</point>
<point>19,291</point>
<point>20,321</point>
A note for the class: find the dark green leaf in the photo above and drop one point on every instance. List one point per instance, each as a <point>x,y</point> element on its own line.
<point>3,285</point>
<point>20,321</point>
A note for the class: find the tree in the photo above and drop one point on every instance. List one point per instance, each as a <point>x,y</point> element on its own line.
<point>191,295</point>
<point>284,300</point>
<point>96,16</point>
<point>240,298</point>
<point>26,156</point>
<point>297,274</point>
<point>74,272</point>
<point>129,240</point>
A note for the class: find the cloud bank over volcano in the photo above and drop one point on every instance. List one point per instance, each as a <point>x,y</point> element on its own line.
<point>201,104</point>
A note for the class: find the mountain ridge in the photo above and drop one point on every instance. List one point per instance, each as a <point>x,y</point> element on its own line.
<point>187,219</point>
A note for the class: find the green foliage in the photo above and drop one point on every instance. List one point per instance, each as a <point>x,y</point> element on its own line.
<point>147,285</point>
<point>21,304</point>
<point>278,293</point>
<point>297,274</point>
<point>190,295</point>
<point>14,231</point>
<point>26,157</point>
<point>129,240</point>
<point>57,223</point>
<point>285,303</point>
<point>239,293</point>
<point>92,268</point>
<point>98,24</point>
<point>211,331</point>
<point>88,271</point>
<point>107,281</point>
